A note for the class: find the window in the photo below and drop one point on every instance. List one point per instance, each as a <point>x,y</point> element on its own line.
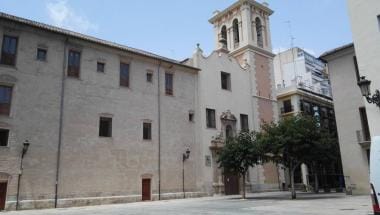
<point>229,133</point>
<point>5,100</point>
<point>9,50</point>
<point>244,122</point>
<point>124,74</point>
<point>364,122</point>
<point>4,134</point>
<point>100,66</point>
<point>287,106</point>
<point>235,26</point>
<point>191,116</point>
<point>147,131</point>
<point>105,127</point>
<point>210,118</point>
<point>149,77</point>
<point>378,21</point>
<point>74,64</point>
<point>225,80</point>
<point>41,54</point>
<point>356,68</point>
<point>259,32</point>
<point>223,35</point>
<point>169,84</point>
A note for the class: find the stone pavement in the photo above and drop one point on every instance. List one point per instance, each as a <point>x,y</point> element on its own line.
<point>258,204</point>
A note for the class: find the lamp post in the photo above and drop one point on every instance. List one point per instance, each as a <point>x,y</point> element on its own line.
<point>365,89</point>
<point>185,156</point>
<point>25,147</point>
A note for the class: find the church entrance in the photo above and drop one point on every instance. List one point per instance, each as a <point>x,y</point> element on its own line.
<point>231,183</point>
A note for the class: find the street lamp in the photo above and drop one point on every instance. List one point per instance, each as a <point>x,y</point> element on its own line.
<point>365,89</point>
<point>185,156</point>
<point>25,147</point>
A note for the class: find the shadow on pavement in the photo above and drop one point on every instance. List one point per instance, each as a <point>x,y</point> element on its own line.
<point>300,196</point>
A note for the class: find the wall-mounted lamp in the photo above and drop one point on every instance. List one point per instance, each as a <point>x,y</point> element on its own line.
<point>365,88</point>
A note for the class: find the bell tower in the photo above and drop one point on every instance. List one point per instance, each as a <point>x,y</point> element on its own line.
<point>242,25</point>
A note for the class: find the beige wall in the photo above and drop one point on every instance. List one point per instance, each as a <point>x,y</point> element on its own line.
<point>92,166</point>
<point>348,100</point>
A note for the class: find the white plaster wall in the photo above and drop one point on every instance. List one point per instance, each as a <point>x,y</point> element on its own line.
<point>366,37</point>
<point>347,101</point>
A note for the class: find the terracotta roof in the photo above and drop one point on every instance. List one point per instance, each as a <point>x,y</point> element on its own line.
<point>89,38</point>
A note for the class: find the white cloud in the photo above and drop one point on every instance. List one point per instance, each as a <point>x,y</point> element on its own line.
<point>62,15</point>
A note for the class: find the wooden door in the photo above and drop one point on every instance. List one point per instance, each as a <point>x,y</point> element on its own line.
<point>3,194</point>
<point>146,189</point>
<point>231,183</point>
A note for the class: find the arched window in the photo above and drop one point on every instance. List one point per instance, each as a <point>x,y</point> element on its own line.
<point>259,31</point>
<point>228,131</point>
<point>235,26</point>
<point>223,34</point>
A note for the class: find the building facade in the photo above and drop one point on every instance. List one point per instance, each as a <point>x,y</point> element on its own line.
<point>351,117</point>
<point>365,25</point>
<point>296,67</point>
<point>236,92</point>
<point>112,124</point>
<point>106,123</point>
<point>303,87</point>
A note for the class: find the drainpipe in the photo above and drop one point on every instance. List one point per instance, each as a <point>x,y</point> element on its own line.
<point>60,124</point>
<point>159,129</point>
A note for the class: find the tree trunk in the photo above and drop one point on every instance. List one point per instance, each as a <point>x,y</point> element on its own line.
<point>316,184</point>
<point>292,170</point>
<point>243,185</point>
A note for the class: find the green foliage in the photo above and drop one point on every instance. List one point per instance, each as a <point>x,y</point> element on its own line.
<point>291,141</point>
<point>240,153</point>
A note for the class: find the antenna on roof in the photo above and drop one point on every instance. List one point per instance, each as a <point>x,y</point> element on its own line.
<point>290,33</point>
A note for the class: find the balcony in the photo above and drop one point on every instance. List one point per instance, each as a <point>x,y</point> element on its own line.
<point>364,139</point>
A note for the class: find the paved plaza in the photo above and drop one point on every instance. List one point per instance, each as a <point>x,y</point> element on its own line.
<point>263,203</point>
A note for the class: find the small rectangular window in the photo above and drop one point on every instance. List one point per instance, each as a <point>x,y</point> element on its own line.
<point>100,67</point>
<point>168,84</point>
<point>5,100</point>
<point>147,131</point>
<point>210,118</point>
<point>244,122</point>
<point>288,107</point>
<point>149,77</point>
<point>4,136</point>
<point>9,50</point>
<point>73,64</point>
<point>105,127</point>
<point>191,117</point>
<point>225,81</point>
<point>378,21</point>
<point>124,74</point>
<point>41,54</point>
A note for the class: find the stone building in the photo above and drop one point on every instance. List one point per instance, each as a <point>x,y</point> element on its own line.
<point>351,117</point>
<point>106,123</point>
<point>236,92</point>
<point>112,124</point>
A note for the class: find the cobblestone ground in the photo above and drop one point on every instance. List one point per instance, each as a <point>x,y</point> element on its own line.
<point>258,204</point>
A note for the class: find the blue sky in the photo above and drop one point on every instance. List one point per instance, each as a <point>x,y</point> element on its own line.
<point>172,28</point>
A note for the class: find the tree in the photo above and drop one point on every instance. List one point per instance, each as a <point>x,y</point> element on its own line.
<point>324,154</point>
<point>290,142</point>
<point>240,153</point>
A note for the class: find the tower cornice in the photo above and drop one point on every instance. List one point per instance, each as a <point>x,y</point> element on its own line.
<point>237,4</point>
